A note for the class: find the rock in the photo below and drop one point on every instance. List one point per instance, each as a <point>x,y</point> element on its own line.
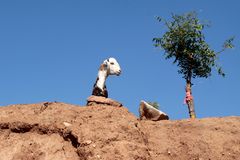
<point>67,124</point>
<point>87,142</point>
<point>149,112</point>
<point>98,100</point>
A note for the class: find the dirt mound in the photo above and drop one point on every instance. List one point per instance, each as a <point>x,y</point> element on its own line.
<point>49,131</point>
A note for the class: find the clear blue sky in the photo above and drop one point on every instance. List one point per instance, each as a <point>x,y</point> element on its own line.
<point>51,50</point>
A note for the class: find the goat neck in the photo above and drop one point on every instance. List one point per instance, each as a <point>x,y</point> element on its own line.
<point>102,76</point>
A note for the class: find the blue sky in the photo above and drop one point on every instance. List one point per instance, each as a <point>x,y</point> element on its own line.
<point>51,51</point>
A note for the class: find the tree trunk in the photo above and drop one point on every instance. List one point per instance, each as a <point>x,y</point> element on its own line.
<point>189,99</point>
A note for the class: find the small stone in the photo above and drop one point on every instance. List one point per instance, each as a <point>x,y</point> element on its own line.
<point>98,100</point>
<point>169,153</point>
<point>98,156</point>
<point>67,124</point>
<point>88,142</point>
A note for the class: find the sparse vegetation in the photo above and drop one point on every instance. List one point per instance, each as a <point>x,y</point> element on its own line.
<point>184,41</point>
<point>154,104</point>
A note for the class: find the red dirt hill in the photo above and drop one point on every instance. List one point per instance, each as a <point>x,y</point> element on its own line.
<point>58,131</point>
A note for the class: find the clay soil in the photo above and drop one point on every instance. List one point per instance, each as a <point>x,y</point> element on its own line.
<point>59,131</point>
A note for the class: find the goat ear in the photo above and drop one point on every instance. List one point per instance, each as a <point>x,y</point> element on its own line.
<point>106,62</point>
<point>103,67</point>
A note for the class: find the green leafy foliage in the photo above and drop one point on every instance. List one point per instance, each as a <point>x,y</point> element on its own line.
<point>228,43</point>
<point>154,104</point>
<point>184,41</point>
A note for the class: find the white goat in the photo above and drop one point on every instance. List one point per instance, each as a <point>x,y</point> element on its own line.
<point>109,66</point>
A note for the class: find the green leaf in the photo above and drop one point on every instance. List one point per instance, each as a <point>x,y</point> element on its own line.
<point>154,104</point>
<point>184,42</point>
<point>159,19</point>
<point>229,43</point>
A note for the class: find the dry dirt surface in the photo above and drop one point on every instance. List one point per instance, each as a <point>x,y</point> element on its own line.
<point>59,131</point>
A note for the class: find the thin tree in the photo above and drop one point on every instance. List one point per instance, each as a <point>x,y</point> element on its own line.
<point>184,41</point>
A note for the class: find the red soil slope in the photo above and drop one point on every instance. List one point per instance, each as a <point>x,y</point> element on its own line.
<point>49,131</point>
